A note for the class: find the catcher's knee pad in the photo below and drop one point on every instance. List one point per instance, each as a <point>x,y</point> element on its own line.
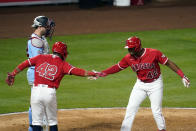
<point>30,116</point>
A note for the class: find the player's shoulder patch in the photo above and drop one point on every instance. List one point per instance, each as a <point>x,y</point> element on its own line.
<point>37,42</point>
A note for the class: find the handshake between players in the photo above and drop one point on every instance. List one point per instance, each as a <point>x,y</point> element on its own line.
<point>144,61</point>
<point>50,69</point>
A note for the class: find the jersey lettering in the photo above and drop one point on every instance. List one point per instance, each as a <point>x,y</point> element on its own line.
<point>47,71</point>
<point>142,66</point>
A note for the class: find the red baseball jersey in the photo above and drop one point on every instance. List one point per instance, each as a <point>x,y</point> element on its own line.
<point>147,66</point>
<point>49,69</point>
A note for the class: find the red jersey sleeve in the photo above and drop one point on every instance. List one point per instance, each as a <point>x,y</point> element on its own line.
<point>78,72</point>
<point>161,57</point>
<point>67,68</point>
<point>113,69</point>
<point>123,63</point>
<point>33,61</point>
<point>118,67</point>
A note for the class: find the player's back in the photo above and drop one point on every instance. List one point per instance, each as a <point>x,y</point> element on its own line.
<point>50,69</point>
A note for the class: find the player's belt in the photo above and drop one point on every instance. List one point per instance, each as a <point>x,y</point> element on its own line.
<point>150,80</point>
<point>43,85</point>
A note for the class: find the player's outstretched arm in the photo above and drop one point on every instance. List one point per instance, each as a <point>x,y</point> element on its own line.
<point>11,75</point>
<point>176,69</point>
<point>82,72</point>
<point>111,70</point>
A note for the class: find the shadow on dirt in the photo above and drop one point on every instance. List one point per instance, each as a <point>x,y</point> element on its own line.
<point>98,127</point>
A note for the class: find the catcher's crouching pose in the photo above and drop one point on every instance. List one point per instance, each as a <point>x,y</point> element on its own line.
<point>49,70</point>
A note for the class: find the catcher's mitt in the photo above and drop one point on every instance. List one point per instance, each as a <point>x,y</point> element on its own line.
<point>10,79</point>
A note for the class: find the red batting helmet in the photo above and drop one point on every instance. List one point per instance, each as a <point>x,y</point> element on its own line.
<point>61,48</point>
<point>133,42</point>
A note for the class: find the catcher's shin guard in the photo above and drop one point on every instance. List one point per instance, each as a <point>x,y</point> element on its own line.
<point>30,120</point>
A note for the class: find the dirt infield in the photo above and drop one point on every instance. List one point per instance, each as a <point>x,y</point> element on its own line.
<point>107,120</point>
<point>16,21</point>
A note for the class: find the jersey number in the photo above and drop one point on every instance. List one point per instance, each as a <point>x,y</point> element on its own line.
<point>152,74</point>
<point>47,71</point>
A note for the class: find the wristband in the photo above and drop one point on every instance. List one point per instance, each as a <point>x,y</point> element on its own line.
<point>180,73</point>
<point>16,71</point>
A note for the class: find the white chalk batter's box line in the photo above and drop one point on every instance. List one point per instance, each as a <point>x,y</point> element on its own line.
<point>178,108</point>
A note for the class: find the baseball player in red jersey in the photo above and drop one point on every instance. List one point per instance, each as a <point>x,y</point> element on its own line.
<point>145,62</point>
<point>49,70</point>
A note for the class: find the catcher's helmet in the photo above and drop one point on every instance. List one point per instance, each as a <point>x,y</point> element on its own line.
<point>133,42</point>
<point>61,48</point>
<point>43,21</point>
<point>40,21</point>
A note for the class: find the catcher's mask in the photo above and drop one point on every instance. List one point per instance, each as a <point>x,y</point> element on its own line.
<point>43,21</point>
<point>133,42</point>
<point>61,48</point>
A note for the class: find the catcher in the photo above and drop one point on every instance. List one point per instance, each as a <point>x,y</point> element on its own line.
<point>38,44</point>
<point>49,71</point>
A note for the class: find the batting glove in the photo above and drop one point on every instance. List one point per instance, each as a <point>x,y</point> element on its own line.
<point>186,82</point>
<point>10,79</point>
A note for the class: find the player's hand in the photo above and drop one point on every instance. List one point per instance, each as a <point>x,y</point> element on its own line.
<point>102,74</point>
<point>186,82</point>
<point>94,75</point>
<point>10,79</point>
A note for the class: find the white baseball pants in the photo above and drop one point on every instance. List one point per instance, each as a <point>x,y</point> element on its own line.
<point>141,90</point>
<point>43,101</point>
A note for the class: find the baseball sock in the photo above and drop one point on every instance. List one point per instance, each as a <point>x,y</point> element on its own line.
<point>37,128</point>
<point>54,128</point>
